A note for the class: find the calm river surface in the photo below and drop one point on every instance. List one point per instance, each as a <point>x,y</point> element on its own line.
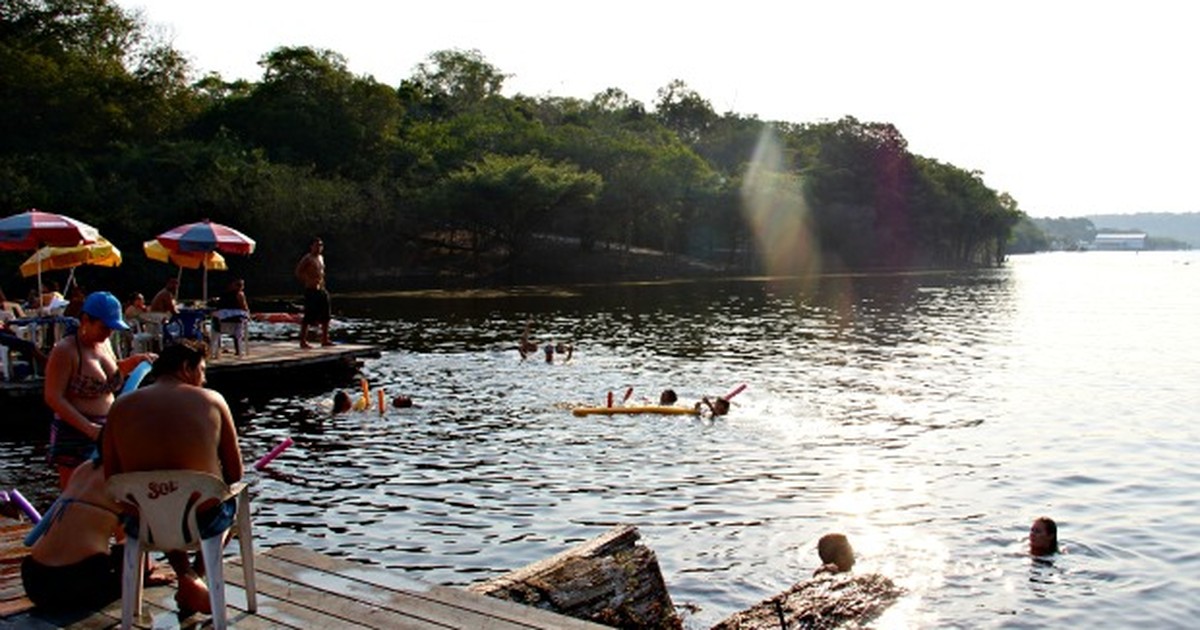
<point>930,417</point>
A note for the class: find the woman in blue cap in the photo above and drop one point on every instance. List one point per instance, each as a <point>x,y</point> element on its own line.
<point>83,377</point>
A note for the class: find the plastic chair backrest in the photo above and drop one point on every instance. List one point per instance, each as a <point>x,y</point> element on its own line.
<point>166,502</point>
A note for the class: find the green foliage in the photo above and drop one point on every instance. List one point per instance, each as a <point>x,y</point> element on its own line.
<point>502,201</point>
<point>1027,238</point>
<point>1067,233</point>
<point>102,123</point>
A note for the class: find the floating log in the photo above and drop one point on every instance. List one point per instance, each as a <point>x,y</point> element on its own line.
<point>610,580</point>
<point>828,600</point>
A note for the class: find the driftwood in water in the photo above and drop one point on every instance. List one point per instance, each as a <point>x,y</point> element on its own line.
<point>828,600</point>
<point>609,580</point>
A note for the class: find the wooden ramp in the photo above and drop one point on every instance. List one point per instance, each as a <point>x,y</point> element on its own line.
<point>297,588</point>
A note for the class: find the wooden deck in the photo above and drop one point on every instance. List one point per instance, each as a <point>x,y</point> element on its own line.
<point>297,588</point>
<point>266,363</point>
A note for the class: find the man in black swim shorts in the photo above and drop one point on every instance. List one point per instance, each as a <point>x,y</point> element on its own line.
<point>311,273</point>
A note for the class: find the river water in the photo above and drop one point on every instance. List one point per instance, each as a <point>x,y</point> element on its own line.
<point>929,416</point>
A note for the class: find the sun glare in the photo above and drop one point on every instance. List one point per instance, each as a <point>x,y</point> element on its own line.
<point>773,203</point>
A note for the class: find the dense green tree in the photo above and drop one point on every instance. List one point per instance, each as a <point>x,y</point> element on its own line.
<point>309,110</point>
<point>502,201</point>
<point>1027,237</point>
<point>682,110</point>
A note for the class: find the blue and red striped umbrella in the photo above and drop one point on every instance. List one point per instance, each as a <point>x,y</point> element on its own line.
<point>206,236</point>
<point>33,229</point>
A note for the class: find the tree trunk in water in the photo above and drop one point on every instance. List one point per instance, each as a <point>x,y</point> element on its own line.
<point>609,580</point>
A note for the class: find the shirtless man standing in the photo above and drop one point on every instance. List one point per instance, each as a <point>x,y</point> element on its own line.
<point>311,273</point>
<point>175,423</point>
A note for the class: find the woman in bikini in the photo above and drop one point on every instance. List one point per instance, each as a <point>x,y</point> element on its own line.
<point>71,565</point>
<point>83,377</point>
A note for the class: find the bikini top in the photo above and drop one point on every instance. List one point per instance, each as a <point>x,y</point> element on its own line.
<point>56,512</point>
<point>87,386</point>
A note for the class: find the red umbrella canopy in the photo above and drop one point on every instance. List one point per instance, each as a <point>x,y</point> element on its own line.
<point>206,236</point>
<point>33,229</point>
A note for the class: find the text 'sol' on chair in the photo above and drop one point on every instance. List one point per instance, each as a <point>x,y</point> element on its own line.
<point>166,503</point>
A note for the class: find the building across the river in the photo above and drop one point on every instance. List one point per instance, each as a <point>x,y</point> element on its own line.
<point>1127,241</point>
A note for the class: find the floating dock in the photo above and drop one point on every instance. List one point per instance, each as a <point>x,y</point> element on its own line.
<point>267,366</point>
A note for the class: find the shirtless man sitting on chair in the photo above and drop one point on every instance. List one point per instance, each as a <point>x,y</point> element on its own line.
<point>175,423</point>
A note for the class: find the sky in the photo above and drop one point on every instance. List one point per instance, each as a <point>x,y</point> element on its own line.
<point>1073,108</point>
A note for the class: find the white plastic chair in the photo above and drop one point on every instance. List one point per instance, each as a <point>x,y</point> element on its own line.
<point>236,324</point>
<point>166,502</point>
<point>8,364</point>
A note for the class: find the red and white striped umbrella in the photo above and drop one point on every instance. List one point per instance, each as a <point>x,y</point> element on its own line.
<point>206,236</point>
<point>33,229</point>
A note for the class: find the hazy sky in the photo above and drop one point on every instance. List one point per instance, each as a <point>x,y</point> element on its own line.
<point>1071,107</point>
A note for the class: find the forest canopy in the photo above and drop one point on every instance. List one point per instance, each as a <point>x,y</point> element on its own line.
<point>446,176</point>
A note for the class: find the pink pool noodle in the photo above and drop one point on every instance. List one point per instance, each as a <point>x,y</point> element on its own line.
<point>735,391</point>
<point>15,496</point>
<point>266,459</point>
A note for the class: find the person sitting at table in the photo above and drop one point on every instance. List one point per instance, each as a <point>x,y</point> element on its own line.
<point>136,307</point>
<point>83,377</point>
<point>10,310</point>
<point>51,299</point>
<point>29,350</point>
<point>164,300</point>
<point>233,301</point>
<point>75,302</point>
<point>233,311</point>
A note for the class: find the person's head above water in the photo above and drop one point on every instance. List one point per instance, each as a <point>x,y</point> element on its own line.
<point>1043,537</point>
<point>667,397</point>
<point>341,402</point>
<point>720,407</point>
<point>835,550</point>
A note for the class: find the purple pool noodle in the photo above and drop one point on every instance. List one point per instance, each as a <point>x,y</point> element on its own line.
<point>16,497</point>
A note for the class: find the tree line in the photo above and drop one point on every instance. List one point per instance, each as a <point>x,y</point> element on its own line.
<point>443,176</point>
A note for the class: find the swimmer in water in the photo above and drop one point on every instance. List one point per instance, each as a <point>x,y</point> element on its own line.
<point>341,402</point>
<point>1043,537</point>
<point>837,556</point>
<point>717,407</point>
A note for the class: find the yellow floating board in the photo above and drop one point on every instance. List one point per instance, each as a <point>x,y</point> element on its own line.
<point>655,409</point>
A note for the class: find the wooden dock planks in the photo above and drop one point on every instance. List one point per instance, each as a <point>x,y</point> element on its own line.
<point>297,588</point>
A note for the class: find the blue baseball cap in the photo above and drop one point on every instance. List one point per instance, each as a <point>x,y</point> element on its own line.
<point>105,307</point>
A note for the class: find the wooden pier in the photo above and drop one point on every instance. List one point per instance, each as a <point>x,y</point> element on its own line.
<point>297,588</point>
<point>267,366</point>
